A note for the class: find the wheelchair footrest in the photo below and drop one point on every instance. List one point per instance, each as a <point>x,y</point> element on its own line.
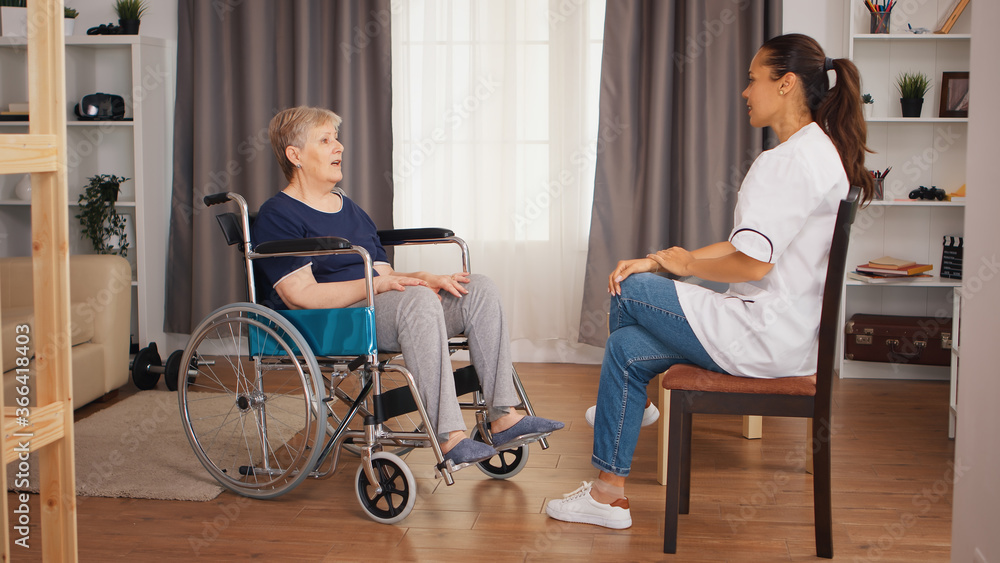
<point>523,439</point>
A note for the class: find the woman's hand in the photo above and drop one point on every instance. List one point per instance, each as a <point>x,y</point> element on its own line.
<point>675,260</point>
<point>452,284</point>
<point>626,268</point>
<point>393,282</point>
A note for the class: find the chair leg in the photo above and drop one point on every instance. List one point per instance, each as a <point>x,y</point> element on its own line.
<point>674,461</point>
<point>685,477</point>
<point>752,426</point>
<point>822,505</point>
<point>662,436</point>
<point>810,444</point>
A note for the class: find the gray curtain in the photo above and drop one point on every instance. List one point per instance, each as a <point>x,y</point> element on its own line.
<point>674,140</point>
<point>238,63</point>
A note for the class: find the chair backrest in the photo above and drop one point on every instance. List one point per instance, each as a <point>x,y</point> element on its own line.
<point>833,292</point>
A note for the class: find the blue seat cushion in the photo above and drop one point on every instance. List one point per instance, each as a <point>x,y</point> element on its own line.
<point>327,332</point>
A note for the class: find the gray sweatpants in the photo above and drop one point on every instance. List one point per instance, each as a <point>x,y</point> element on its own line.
<point>417,324</point>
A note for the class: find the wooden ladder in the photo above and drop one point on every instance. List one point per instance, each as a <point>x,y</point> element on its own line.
<point>40,437</point>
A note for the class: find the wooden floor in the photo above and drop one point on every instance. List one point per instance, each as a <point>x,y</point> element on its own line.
<point>750,500</point>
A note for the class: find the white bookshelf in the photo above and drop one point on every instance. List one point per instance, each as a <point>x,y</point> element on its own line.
<point>925,151</point>
<point>136,68</point>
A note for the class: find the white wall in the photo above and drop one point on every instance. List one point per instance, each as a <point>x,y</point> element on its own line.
<point>977,447</point>
<point>823,20</point>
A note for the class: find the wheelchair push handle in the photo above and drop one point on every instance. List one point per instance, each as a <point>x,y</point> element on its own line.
<point>215,199</point>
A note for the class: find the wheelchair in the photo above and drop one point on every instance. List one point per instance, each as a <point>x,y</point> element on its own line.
<point>269,398</point>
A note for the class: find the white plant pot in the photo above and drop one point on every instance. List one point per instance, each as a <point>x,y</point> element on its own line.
<point>13,21</point>
<point>869,110</point>
<point>69,24</point>
<point>23,188</point>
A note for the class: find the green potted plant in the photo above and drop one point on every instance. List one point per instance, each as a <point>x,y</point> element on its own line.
<point>129,13</point>
<point>101,222</point>
<point>867,104</point>
<point>69,20</point>
<point>912,86</point>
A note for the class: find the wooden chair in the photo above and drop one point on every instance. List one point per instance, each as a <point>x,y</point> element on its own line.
<point>694,390</point>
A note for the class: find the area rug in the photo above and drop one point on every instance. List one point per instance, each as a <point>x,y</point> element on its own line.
<point>136,449</point>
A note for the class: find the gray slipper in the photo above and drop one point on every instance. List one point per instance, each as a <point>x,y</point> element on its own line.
<point>528,429</point>
<point>469,451</point>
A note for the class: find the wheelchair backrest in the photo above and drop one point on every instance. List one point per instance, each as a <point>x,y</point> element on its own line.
<point>232,229</point>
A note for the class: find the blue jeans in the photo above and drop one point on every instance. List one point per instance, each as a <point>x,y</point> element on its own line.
<point>649,333</point>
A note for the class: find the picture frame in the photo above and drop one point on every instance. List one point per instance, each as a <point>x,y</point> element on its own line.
<point>954,94</point>
<point>953,17</point>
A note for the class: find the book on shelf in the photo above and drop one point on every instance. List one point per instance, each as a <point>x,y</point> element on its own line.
<point>18,106</point>
<point>899,272</point>
<point>890,263</point>
<point>13,113</point>
<point>867,277</point>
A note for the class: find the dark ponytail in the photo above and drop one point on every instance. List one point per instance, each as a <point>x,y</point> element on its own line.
<point>838,110</point>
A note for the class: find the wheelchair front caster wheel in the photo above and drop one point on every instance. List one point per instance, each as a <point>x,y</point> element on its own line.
<point>399,489</point>
<point>506,463</point>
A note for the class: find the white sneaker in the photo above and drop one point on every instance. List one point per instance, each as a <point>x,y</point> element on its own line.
<point>649,416</point>
<point>579,506</point>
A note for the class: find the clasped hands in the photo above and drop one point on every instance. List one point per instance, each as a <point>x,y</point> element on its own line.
<point>675,260</point>
<point>397,282</point>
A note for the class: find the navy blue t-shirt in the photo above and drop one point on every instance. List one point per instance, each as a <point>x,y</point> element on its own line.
<point>284,217</point>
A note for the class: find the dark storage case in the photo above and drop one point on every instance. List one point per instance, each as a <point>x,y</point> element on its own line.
<point>901,340</point>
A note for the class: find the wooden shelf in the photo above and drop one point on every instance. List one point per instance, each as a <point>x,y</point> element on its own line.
<point>917,120</point>
<point>912,37</point>
<point>922,282</point>
<point>915,203</point>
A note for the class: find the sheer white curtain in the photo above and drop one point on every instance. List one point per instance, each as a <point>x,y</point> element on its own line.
<point>495,107</point>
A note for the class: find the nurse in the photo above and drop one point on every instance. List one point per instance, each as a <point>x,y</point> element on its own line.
<point>767,323</point>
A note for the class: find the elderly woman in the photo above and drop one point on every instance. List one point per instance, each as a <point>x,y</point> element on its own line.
<point>415,313</point>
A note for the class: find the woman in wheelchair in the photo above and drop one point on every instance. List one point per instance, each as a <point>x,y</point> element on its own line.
<point>767,324</point>
<point>415,313</point>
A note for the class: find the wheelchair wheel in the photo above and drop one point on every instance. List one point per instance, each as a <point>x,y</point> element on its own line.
<point>506,463</point>
<point>251,419</point>
<point>344,397</point>
<point>399,489</point>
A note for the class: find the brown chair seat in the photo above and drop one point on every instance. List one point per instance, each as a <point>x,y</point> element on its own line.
<point>693,378</point>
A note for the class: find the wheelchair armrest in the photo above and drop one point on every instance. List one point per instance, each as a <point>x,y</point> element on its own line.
<point>316,244</point>
<point>403,236</point>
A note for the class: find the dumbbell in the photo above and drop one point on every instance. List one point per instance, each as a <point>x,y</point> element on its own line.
<point>146,368</point>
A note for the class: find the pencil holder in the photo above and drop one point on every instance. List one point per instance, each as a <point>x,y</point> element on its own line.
<point>880,22</point>
<point>879,191</point>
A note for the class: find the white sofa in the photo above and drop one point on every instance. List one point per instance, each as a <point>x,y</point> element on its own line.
<point>101,303</point>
